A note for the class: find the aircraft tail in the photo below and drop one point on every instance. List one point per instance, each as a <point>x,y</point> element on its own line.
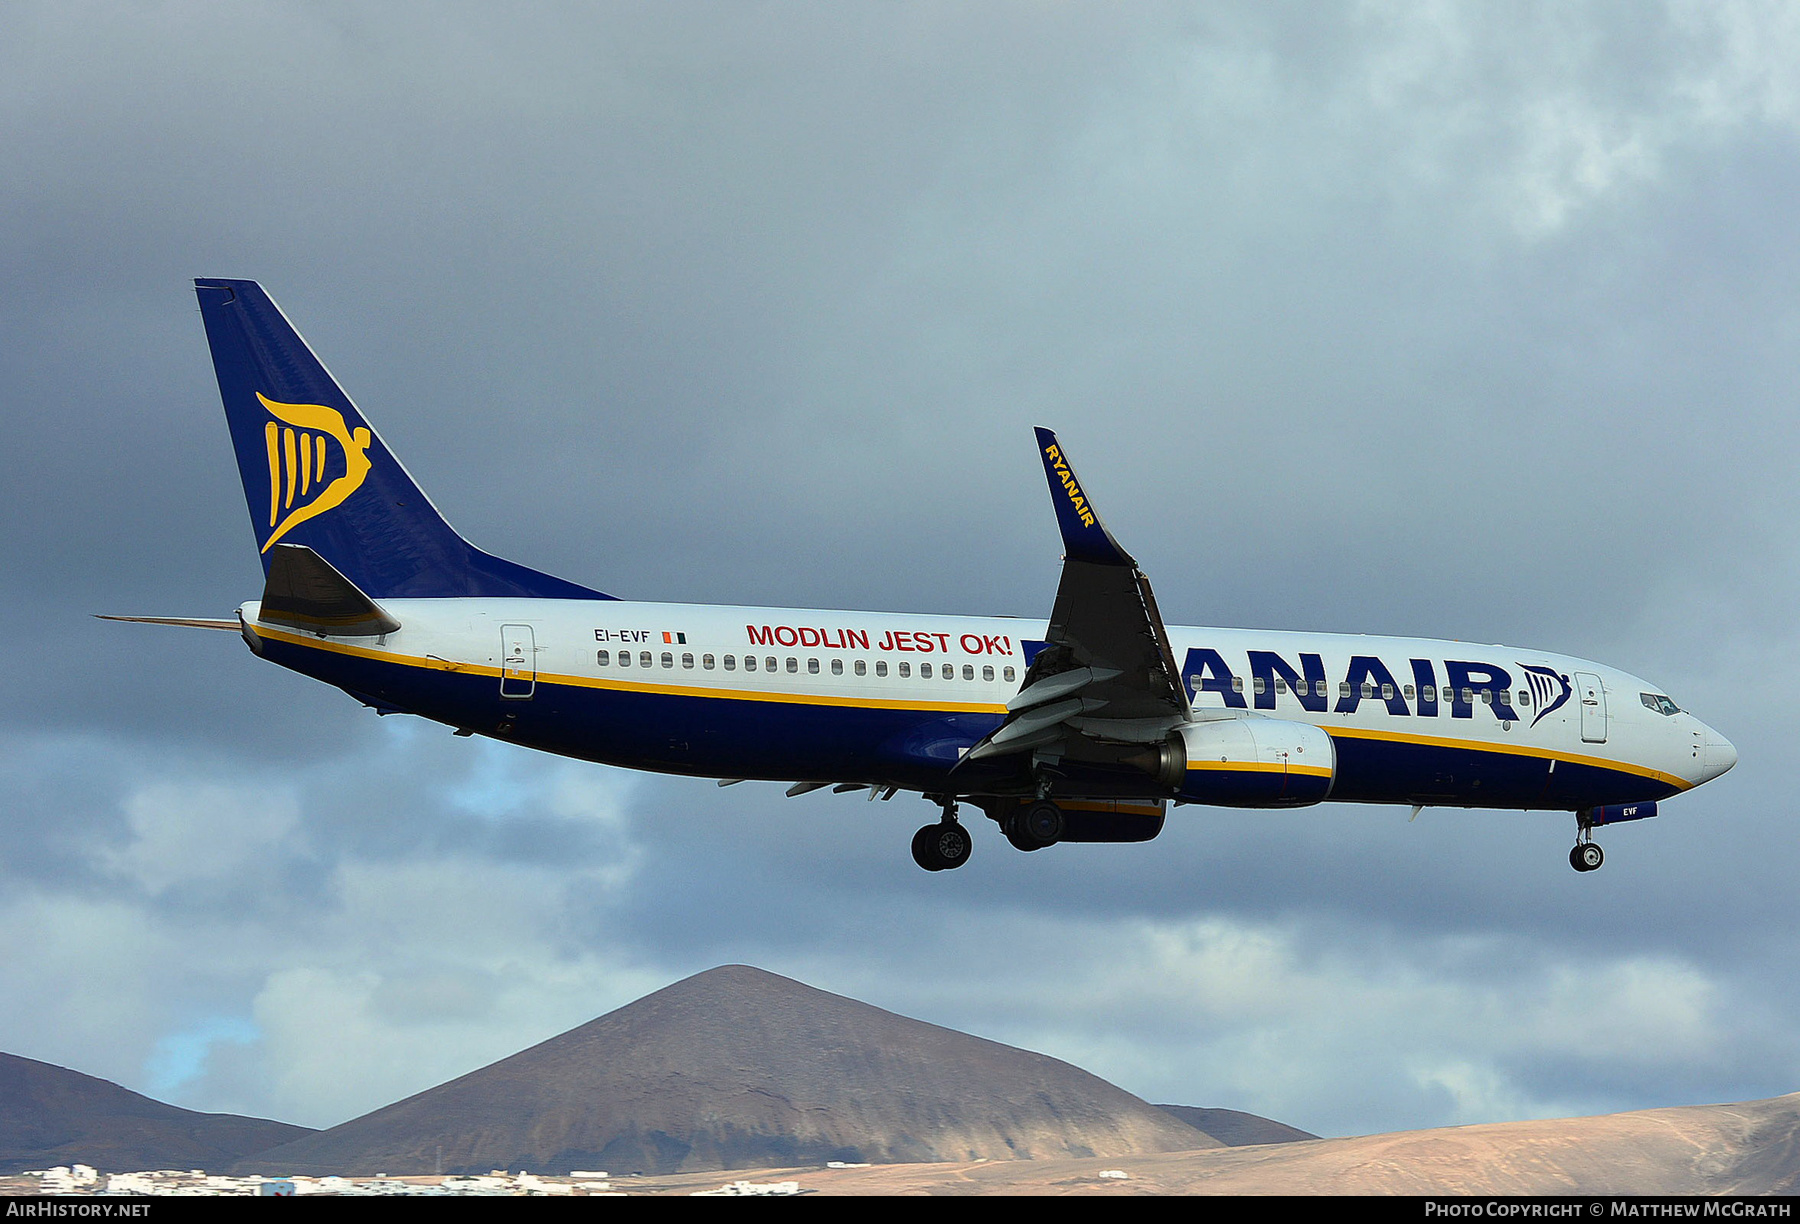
<point>316,474</point>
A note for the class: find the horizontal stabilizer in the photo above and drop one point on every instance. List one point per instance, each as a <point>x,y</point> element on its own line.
<point>304,591</point>
<point>188,622</point>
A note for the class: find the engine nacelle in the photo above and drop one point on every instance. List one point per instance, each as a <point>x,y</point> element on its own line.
<point>1252,762</point>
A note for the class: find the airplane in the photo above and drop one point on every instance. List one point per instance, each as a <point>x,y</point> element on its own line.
<point>1082,728</point>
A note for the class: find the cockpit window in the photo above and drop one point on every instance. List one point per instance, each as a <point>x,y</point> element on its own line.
<point>1659,703</point>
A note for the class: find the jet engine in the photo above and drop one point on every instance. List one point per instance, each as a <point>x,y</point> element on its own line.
<point>1250,762</point>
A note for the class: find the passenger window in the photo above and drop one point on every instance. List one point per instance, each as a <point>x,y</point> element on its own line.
<point>749,662</point>
<point>925,670</point>
<point>1343,689</point>
<point>706,661</point>
<point>1524,698</point>
<point>1368,690</point>
<point>862,667</point>
<point>687,660</point>
<point>1007,675</point>
<point>769,663</point>
<point>837,667</point>
<point>1237,684</point>
<point>730,662</point>
<point>1468,695</point>
<point>1257,684</point>
<point>603,657</point>
<point>1387,692</point>
<point>906,668</point>
<point>1407,692</point>
<point>643,658</point>
<point>812,667</point>
<point>968,671</point>
<point>1487,696</point>
<point>793,664</point>
<point>1280,685</point>
<point>881,667</point>
<point>624,658</point>
<point>668,659</point>
<point>1450,694</point>
<point>987,673</point>
<point>1319,689</point>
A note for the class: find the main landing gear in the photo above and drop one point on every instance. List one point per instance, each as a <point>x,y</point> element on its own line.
<point>942,846</point>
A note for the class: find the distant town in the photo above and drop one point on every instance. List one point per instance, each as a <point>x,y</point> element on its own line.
<point>82,1179</point>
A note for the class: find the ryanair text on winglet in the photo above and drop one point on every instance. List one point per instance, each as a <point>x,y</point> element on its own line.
<point>1068,479</point>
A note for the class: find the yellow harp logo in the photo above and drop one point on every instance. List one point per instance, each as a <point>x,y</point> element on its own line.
<point>299,441</point>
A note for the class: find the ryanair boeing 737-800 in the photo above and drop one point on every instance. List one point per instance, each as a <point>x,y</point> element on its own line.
<point>1082,728</point>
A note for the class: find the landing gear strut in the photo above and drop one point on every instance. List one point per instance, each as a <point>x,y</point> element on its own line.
<point>943,846</point>
<point>1586,856</point>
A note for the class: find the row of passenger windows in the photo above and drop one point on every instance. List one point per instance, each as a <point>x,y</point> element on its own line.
<point>860,667</point>
<point>1368,691</point>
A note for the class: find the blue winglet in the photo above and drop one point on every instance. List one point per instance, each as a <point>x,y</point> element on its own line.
<point>1085,537</point>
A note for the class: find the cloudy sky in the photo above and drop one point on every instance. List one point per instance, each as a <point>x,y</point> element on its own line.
<point>1465,321</point>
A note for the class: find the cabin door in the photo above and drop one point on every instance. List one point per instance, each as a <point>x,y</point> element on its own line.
<point>518,662</point>
<point>1593,707</point>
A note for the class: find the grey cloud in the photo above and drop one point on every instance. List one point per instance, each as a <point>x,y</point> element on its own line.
<point>1464,322</point>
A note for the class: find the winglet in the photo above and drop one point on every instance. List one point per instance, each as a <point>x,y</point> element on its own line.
<point>1085,537</point>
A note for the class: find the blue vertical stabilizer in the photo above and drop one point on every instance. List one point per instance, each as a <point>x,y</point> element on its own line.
<point>316,474</point>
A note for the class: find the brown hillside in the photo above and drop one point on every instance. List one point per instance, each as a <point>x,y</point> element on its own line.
<point>50,1115</point>
<point>737,1068</point>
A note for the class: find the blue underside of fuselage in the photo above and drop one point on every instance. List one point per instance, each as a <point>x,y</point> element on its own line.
<point>913,749</point>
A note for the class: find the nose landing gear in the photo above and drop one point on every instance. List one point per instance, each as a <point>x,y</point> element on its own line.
<point>1586,856</point>
<point>943,846</point>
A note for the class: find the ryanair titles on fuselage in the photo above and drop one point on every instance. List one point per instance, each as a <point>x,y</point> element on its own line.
<point>1455,691</point>
<point>1421,686</point>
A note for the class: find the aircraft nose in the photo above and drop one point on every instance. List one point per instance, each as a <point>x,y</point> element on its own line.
<point>1717,754</point>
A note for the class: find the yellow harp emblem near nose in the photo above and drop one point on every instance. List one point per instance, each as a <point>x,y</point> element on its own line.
<point>298,440</point>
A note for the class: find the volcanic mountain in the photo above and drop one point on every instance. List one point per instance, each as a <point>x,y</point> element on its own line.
<point>736,1068</point>
<point>1235,1128</point>
<point>50,1115</point>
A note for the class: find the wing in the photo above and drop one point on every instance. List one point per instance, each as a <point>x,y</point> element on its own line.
<point>1108,673</point>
